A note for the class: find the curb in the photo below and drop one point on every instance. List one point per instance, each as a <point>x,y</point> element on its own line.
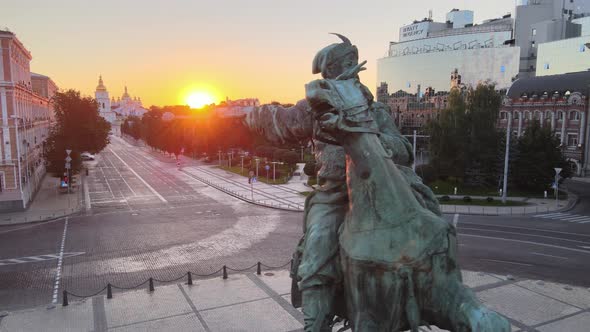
<point>240,197</point>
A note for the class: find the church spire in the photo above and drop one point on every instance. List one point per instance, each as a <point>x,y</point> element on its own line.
<point>100,86</point>
<point>126,94</point>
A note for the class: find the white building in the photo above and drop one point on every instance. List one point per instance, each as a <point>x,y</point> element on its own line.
<point>115,111</point>
<point>428,51</point>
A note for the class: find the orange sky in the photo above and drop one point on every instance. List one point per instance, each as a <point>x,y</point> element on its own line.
<point>162,50</point>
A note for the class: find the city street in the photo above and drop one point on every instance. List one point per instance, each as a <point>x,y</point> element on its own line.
<point>147,219</point>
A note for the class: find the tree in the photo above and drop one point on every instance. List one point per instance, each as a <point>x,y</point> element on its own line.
<point>483,136</point>
<point>79,127</point>
<point>539,153</point>
<point>448,138</point>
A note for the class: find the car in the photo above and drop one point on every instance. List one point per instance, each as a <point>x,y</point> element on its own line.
<point>87,156</point>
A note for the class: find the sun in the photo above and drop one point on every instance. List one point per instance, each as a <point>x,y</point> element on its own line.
<point>199,99</point>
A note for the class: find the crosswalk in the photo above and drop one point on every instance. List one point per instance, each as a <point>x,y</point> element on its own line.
<point>568,217</point>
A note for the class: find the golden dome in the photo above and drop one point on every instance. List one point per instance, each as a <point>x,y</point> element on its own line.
<point>100,86</point>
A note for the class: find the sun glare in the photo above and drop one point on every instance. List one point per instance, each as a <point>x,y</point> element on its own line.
<point>199,99</point>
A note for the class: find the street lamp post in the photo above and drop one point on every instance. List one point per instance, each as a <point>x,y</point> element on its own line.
<point>414,152</point>
<point>557,171</point>
<point>242,157</point>
<point>219,152</point>
<point>506,158</point>
<point>302,147</point>
<point>229,157</point>
<point>274,163</point>
<point>257,160</point>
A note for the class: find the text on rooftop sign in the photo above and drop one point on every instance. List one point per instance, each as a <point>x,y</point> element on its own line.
<point>413,31</point>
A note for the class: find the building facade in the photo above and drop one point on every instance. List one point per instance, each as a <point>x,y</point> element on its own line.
<point>116,111</point>
<point>27,115</point>
<point>558,101</point>
<point>428,51</point>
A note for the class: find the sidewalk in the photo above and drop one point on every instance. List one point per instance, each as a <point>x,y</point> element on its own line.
<point>47,204</point>
<point>251,302</point>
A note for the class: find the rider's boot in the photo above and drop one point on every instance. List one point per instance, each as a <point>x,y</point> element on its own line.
<point>317,308</point>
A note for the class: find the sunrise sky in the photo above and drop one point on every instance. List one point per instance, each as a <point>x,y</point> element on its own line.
<point>165,50</point>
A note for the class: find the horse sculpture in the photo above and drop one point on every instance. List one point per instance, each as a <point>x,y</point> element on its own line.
<point>399,260</point>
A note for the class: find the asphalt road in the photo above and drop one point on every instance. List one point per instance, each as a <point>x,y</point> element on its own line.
<point>147,219</point>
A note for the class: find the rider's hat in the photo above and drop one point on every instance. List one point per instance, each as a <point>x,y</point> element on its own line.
<point>332,53</point>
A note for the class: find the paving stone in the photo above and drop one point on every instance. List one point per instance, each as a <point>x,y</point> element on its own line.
<point>212,293</point>
<point>577,296</point>
<point>260,316</point>
<point>523,305</point>
<point>577,323</point>
<point>78,316</point>
<point>476,279</point>
<point>279,281</point>
<point>140,306</point>
<point>188,322</point>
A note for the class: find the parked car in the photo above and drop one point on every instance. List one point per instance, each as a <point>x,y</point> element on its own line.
<point>87,156</point>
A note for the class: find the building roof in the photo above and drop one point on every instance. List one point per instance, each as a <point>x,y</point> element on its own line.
<point>573,82</point>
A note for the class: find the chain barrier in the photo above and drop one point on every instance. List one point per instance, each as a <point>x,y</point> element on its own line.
<point>187,275</point>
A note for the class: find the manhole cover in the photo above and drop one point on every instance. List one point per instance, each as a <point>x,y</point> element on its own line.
<point>269,274</point>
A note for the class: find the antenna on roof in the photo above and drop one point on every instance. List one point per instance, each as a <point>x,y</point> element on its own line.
<point>430,14</point>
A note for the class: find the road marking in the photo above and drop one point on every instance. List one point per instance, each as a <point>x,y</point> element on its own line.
<point>87,195</point>
<point>584,247</point>
<point>140,178</point>
<point>508,262</point>
<point>528,242</point>
<point>552,215</point>
<point>547,215</point>
<point>541,254</point>
<point>59,262</point>
<point>456,220</point>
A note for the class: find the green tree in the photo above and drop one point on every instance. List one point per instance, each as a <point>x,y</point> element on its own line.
<point>539,153</point>
<point>483,137</point>
<point>79,127</point>
<point>448,138</point>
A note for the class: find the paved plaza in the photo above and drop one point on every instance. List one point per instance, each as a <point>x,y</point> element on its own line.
<point>251,302</point>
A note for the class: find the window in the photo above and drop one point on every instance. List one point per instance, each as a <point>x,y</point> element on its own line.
<point>582,48</point>
<point>533,44</point>
<point>572,139</point>
<point>502,69</point>
<point>574,116</point>
<point>546,66</point>
<point>534,32</point>
<point>516,115</point>
<point>503,115</point>
<point>560,115</point>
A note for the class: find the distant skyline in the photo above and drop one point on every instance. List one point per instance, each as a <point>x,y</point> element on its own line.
<point>165,50</point>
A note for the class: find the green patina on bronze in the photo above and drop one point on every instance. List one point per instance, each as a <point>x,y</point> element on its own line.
<point>398,258</point>
<point>374,250</point>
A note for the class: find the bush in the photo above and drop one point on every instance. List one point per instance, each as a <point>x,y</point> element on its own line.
<point>427,173</point>
<point>467,199</point>
<point>445,198</point>
<point>310,168</point>
<point>489,199</point>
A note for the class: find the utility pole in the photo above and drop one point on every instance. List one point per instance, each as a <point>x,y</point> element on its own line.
<point>557,171</point>
<point>506,158</point>
<point>414,152</point>
<point>68,168</point>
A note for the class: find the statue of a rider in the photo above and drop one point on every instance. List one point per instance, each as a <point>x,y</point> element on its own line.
<point>317,270</point>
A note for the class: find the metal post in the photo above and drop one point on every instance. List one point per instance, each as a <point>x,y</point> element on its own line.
<point>302,159</point>
<point>506,158</point>
<point>557,171</point>
<point>190,278</point>
<point>257,160</point>
<point>414,152</point>
<point>274,171</point>
<point>242,164</point>
<point>219,157</point>
<point>65,298</point>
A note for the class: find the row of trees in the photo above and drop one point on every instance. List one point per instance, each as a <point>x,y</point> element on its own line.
<point>466,146</point>
<point>201,132</point>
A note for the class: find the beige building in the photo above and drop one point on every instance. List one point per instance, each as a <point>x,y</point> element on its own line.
<point>27,114</point>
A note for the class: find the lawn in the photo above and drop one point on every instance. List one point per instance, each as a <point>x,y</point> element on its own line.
<point>482,202</point>
<point>440,187</point>
<point>284,169</point>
